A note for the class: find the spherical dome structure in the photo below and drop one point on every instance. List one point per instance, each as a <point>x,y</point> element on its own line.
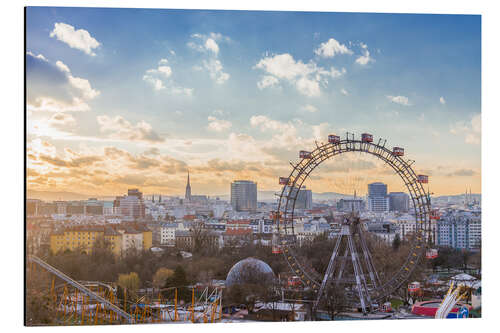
<point>250,271</point>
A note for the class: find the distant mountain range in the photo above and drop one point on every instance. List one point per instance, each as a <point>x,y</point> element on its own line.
<point>66,196</point>
<point>261,196</point>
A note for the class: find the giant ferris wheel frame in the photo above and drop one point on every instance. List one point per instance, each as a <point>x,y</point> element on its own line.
<point>413,182</point>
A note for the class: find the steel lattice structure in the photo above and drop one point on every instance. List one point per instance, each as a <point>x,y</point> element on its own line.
<point>301,171</point>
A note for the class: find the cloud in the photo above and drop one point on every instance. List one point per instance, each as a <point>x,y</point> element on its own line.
<point>53,88</point>
<point>402,100</point>
<point>330,48</point>
<point>365,57</point>
<point>212,64</point>
<point>120,128</point>
<point>462,173</point>
<point>344,92</point>
<point>306,77</point>
<point>160,79</point>
<point>77,39</point>
<point>266,123</point>
<point>310,108</point>
<point>82,85</point>
<point>442,100</point>
<point>215,69</point>
<point>62,121</point>
<point>471,131</point>
<point>218,125</point>
<point>39,56</point>
<point>267,81</point>
<point>211,45</point>
<point>49,104</point>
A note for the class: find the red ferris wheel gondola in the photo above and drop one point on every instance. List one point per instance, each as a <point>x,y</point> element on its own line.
<point>332,138</point>
<point>398,151</point>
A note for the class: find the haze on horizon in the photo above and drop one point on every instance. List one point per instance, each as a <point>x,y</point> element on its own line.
<point>235,95</point>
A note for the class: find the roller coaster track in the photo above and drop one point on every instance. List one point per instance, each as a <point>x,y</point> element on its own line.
<point>84,290</point>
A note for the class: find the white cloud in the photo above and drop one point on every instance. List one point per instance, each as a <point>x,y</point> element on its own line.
<point>267,81</point>
<point>120,128</point>
<point>471,131</point>
<point>39,56</point>
<point>62,121</point>
<point>182,91</point>
<point>159,78</point>
<point>218,125</point>
<point>212,64</point>
<point>365,58</point>
<point>77,39</point>
<point>331,48</point>
<point>310,108</point>
<point>308,87</point>
<point>77,91</point>
<point>283,66</point>
<point>266,123</point>
<point>306,77</point>
<point>62,66</point>
<point>49,104</point>
<point>344,92</point>
<point>155,82</point>
<point>214,67</point>
<point>403,100</point>
<point>442,100</point>
<point>208,42</point>
<point>83,85</point>
<point>211,45</point>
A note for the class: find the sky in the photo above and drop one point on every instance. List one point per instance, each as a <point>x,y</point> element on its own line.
<point>134,98</point>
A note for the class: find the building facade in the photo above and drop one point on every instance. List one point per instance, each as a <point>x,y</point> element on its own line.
<point>378,200</point>
<point>460,230</point>
<point>244,195</point>
<point>399,202</point>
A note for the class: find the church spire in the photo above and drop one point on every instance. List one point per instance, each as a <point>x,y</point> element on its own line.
<point>188,189</point>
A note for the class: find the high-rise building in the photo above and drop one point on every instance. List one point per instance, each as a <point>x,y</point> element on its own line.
<point>130,206</point>
<point>304,199</point>
<point>188,189</point>
<point>399,202</point>
<point>378,200</point>
<point>244,195</point>
<point>135,192</point>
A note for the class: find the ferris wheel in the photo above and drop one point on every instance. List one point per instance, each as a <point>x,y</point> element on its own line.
<point>366,286</point>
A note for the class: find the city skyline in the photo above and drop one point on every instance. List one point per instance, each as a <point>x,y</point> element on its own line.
<point>115,109</point>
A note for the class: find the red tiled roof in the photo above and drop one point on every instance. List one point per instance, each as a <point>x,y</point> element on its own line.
<point>238,231</point>
<point>238,222</point>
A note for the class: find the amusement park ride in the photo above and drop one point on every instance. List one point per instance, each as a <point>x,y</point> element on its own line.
<point>365,285</point>
<point>97,303</point>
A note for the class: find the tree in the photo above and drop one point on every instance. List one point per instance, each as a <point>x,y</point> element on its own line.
<point>335,300</point>
<point>203,240</point>
<point>396,243</point>
<point>161,276</point>
<point>129,281</point>
<point>179,280</point>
